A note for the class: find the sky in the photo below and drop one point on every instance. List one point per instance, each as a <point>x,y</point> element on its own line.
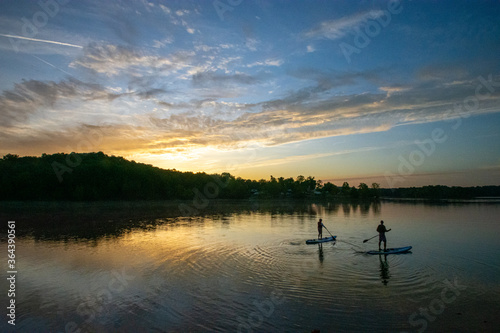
<point>401,93</point>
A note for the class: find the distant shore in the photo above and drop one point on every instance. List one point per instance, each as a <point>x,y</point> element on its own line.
<point>445,200</point>
<point>89,177</point>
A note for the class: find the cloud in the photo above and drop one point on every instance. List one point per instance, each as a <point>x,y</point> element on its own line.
<point>325,81</point>
<point>116,138</point>
<point>209,79</point>
<point>150,93</point>
<point>152,117</point>
<point>176,17</point>
<point>336,29</point>
<point>31,97</point>
<point>390,90</point>
<point>198,124</point>
<point>311,112</point>
<point>162,43</point>
<point>252,43</point>
<point>267,62</point>
<point>164,8</point>
<point>115,59</point>
<point>47,39</point>
<point>443,72</point>
<point>267,162</point>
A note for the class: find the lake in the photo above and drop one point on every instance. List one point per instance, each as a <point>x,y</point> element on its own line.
<point>245,267</point>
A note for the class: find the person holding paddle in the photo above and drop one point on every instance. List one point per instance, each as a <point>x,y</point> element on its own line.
<point>320,229</point>
<point>381,229</point>
<point>320,235</point>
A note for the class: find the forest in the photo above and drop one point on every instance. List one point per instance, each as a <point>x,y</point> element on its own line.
<point>440,192</point>
<point>97,176</point>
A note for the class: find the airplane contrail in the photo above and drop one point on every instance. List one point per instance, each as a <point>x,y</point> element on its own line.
<point>42,40</point>
<point>48,63</point>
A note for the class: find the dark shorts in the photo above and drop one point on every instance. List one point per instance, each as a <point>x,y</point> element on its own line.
<point>381,238</point>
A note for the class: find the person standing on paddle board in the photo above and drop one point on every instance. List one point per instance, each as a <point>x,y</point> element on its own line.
<point>381,229</point>
<point>320,229</point>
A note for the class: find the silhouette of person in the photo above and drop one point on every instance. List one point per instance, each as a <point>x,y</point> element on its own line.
<point>320,229</point>
<point>381,229</point>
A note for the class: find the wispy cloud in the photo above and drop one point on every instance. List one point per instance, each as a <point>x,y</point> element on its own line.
<point>335,29</point>
<point>207,79</point>
<point>114,59</point>
<point>162,43</point>
<point>33,98</point>
<point>211,123</point>
<point>176,17</point>
<point>267,162</point>
<point>267,62</point>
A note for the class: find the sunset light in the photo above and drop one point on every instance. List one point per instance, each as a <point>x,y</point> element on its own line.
<point>250,165</point>
<point>329,89</point>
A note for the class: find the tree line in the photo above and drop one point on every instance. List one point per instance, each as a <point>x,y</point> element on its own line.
<point>97,176</point>
<point>440,192</point>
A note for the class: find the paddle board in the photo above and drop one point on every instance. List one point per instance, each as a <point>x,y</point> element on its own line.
<point>322,240</point>
<point>392,250</point>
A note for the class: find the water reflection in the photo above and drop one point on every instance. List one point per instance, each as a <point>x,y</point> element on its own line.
<point>346,208</point>
<point>320,253</point>
<point>73,221</point>
<point>384,269</point>
<point>214,271</point>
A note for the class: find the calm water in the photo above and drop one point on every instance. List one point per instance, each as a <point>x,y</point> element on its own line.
<point>245,267</point>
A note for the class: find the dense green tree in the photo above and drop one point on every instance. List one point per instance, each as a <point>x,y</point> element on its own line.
<point>346,189</point>
<point>364,191</point>
<point>375,190</point>
<point>272,188</point>
<point>330,189</point>
<point>96,176</point>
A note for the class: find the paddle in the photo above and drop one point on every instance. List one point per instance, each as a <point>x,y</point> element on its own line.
<point>327,230</point>
<point>366,240</point>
